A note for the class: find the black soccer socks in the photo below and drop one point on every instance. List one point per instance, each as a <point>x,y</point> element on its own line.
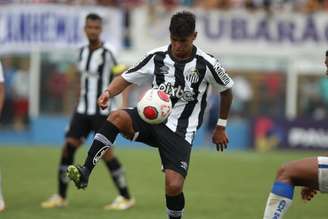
<point>117,173</point>
<point>175,206</point>
<point>67,159</point>
<point>102,141</point>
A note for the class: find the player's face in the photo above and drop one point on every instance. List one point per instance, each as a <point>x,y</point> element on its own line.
<point>93,30</point>
<point>181,47</point>
<point>326,63</point>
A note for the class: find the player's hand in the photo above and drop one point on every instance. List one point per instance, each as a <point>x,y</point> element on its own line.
<point>220,138</point>
<point>308,193</point>
<point>103,100</point>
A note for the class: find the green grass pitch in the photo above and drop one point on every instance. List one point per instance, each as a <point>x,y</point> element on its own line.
<point>219,185</point>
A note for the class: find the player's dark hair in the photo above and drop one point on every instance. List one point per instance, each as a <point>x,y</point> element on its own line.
<point>182,24</point>
<point>327,53</point>
<point>94,17</point>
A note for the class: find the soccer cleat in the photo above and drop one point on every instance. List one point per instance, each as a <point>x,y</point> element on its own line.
<point>78,174</point>
<point>120,203</point>
<point>2,205</point>
<point>54,201</point>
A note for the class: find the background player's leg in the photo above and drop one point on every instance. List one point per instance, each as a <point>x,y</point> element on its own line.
<point>67,158</point>
<point>175,201</point>
<point>295,173</point>
<point>117,172</point>
<point>124,201</point>
<point>79,129</point>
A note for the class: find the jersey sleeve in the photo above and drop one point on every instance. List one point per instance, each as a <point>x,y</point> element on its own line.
<point>140,72</point>
<point>1,74</point>
<point>217,76</point>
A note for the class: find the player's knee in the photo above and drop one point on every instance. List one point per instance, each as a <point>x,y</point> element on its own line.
<point>123,122</point>
<point>173,187</point>
<point>117,117</point>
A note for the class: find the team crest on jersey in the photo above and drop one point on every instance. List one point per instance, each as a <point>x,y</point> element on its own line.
<point>192,76</point>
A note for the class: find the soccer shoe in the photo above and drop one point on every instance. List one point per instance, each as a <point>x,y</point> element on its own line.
<point>78,174</point>
<point>54,201</point>
<point>120,203</point>
<point>2,205</point>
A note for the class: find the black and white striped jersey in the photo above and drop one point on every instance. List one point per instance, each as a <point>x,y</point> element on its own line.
<point>185,81</point>
<point>96,73</point>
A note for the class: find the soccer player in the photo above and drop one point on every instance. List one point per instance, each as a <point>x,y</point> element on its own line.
<point>183,71</point>
<point>2,98</point>
<point>97,65</point>
<point>311,173</point>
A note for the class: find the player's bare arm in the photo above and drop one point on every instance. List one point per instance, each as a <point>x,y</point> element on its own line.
<point>220,137</point>
<point>125,97</point>
<point>113,89</point>
<point>117,71</point>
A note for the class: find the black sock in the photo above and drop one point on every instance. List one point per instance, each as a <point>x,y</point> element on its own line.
<point>175,206</point>
<point>67,159</point>
<point>102,141</point>
<point>117,173</point>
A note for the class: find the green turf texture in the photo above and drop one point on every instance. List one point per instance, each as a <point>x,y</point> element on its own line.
<point>231,185</point>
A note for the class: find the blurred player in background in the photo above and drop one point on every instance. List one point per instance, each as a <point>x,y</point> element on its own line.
<point>97,66</point>
<point>185,72</point>
<point>2,98</point>
<point>311,173</point>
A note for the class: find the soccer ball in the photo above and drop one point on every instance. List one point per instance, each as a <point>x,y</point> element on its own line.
<point>155,106</point>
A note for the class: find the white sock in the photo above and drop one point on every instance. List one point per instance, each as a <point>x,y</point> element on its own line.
<point>276,206</point>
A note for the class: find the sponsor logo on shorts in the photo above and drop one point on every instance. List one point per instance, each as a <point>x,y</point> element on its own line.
<point>184,165</point>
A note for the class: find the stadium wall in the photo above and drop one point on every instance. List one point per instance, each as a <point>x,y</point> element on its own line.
<point>50,131</point>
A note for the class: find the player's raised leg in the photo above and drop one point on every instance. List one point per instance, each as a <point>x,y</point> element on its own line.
<point>295,173</point>
<point>118,121</point>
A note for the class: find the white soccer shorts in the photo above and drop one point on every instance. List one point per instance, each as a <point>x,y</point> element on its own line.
<point>323,174</point>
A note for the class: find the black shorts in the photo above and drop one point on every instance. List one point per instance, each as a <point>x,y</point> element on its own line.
<point>81,125</point>
<point>174,150</point>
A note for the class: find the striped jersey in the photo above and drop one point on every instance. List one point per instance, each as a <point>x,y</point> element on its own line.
<point>186,82</point>
<point>95,67</point>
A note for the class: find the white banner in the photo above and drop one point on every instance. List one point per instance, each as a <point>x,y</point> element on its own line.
<point>24,28</point>
<point>241,32</point>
